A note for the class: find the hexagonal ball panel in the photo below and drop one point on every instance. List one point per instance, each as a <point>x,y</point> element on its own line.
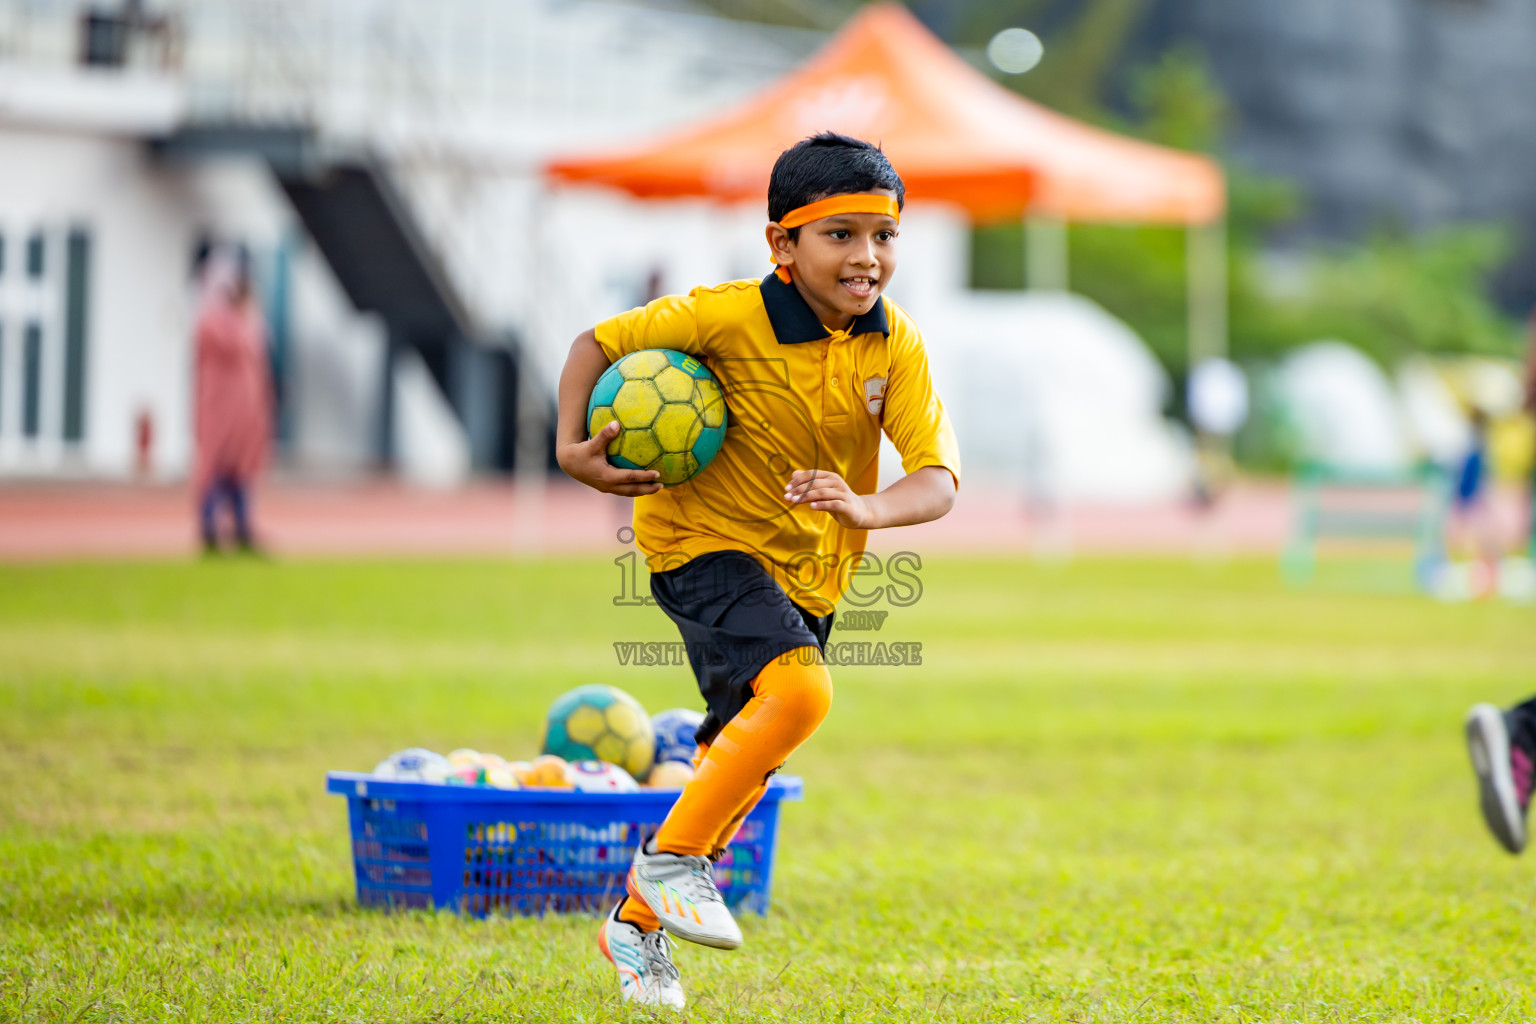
<point>674,385</point>
<point>677,427</point>
<point>611,748</point>
<point>639,751</point>
<point>637,403</point>
<point>642,365</point>
<point>606,387</point>
<point>675,467</point>
<point>708,445</point>
<point>585,724</point>
<point>639,446</point>
<point>709,401</point>
<point>601,417</point>
<point>623,720</point>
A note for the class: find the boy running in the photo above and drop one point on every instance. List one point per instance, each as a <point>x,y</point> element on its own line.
<point>750,557</point>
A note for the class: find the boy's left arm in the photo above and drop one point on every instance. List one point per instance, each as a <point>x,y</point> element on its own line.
<point>915,421</point>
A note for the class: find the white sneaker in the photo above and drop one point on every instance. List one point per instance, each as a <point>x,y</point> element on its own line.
<point>681,891</point>
<point>644,961</point>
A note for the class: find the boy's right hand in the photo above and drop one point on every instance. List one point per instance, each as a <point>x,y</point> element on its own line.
<point>587,461</point>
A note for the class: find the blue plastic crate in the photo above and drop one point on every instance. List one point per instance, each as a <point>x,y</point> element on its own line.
<point>479,850</point>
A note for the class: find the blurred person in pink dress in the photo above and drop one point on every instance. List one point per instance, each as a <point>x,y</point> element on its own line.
<point>233,387</point>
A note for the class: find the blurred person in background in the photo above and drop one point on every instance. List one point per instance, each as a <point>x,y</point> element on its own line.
<point>1217,398</point>
<point>1473,525</point>
<point>233,382</point>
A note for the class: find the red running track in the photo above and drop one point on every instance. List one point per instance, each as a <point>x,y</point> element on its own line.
<point>41,522</point>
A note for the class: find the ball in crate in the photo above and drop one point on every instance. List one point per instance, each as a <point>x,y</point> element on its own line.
<point>670,775</point>
<point>674,731</point>
<point>601,723</point>
<point>414,764</point>
<point>670,409</point>
<point>490,761</point>
<point>601,777</point>
<point>548,771</point>
<point>467,775</point>
<point>502,778</point>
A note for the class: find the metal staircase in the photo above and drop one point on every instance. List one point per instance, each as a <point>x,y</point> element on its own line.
<point>361,225</point>
<point>280,106</point>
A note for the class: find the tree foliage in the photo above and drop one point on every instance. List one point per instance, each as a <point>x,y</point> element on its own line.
<point>1391,294</point>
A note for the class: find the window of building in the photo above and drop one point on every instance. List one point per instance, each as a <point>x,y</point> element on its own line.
<point>77,260</point>
<point>35,255</point>
<point>32,379</point>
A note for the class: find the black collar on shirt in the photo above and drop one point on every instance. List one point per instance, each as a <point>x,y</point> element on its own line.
<point>792,319</point>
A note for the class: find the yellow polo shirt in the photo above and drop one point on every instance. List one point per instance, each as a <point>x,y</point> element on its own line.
<point>797,397</point>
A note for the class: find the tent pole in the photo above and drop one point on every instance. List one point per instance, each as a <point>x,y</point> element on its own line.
<point>1206,280</point>
<point>1045,253</point>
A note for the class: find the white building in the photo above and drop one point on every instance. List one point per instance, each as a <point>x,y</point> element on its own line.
<point>381,158</point>
<point>126,140</point>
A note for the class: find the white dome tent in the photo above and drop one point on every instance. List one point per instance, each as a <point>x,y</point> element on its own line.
<point>1343,409</point>
<point>1051,394</point>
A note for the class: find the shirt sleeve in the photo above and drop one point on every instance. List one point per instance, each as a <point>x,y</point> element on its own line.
<point>914,418</point>
<point>671,321</point>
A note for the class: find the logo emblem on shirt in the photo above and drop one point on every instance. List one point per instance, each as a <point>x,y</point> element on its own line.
<point>874,395</point>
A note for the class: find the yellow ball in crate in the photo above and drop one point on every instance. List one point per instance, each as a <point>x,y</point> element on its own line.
<point>550,772</point>
<point>502,778</point>
<point>670,775</point>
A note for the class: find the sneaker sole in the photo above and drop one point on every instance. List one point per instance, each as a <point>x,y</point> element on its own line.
<point>1488,746</point>
<point>678,928</point>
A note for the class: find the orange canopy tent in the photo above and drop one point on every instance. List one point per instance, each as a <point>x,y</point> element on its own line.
<point>952,134</point>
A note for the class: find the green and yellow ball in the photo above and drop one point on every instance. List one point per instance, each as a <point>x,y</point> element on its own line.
<point>601,723</point>
<point>671,413</point>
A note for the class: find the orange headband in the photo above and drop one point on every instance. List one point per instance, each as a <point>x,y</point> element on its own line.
<point>858,202</point>
<point>833,205</point>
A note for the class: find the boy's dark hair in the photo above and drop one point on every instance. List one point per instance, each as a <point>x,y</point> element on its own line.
<point>825,165</point>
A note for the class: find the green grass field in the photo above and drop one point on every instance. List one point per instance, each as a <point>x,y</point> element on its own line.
<point>1124,790</point>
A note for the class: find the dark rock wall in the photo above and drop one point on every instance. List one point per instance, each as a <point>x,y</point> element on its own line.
<point>1409,112</point>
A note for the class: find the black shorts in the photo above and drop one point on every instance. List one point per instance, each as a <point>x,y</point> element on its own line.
<point>734,619</point>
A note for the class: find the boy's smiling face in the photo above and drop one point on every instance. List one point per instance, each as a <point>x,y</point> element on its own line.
<point>840,264</point>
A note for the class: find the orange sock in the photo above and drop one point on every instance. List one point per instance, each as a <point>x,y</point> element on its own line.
<point>791,697</point>
<point>634,909</point>
<point>635,912</point>
<point>728,832</point>
<point>725,835</point>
